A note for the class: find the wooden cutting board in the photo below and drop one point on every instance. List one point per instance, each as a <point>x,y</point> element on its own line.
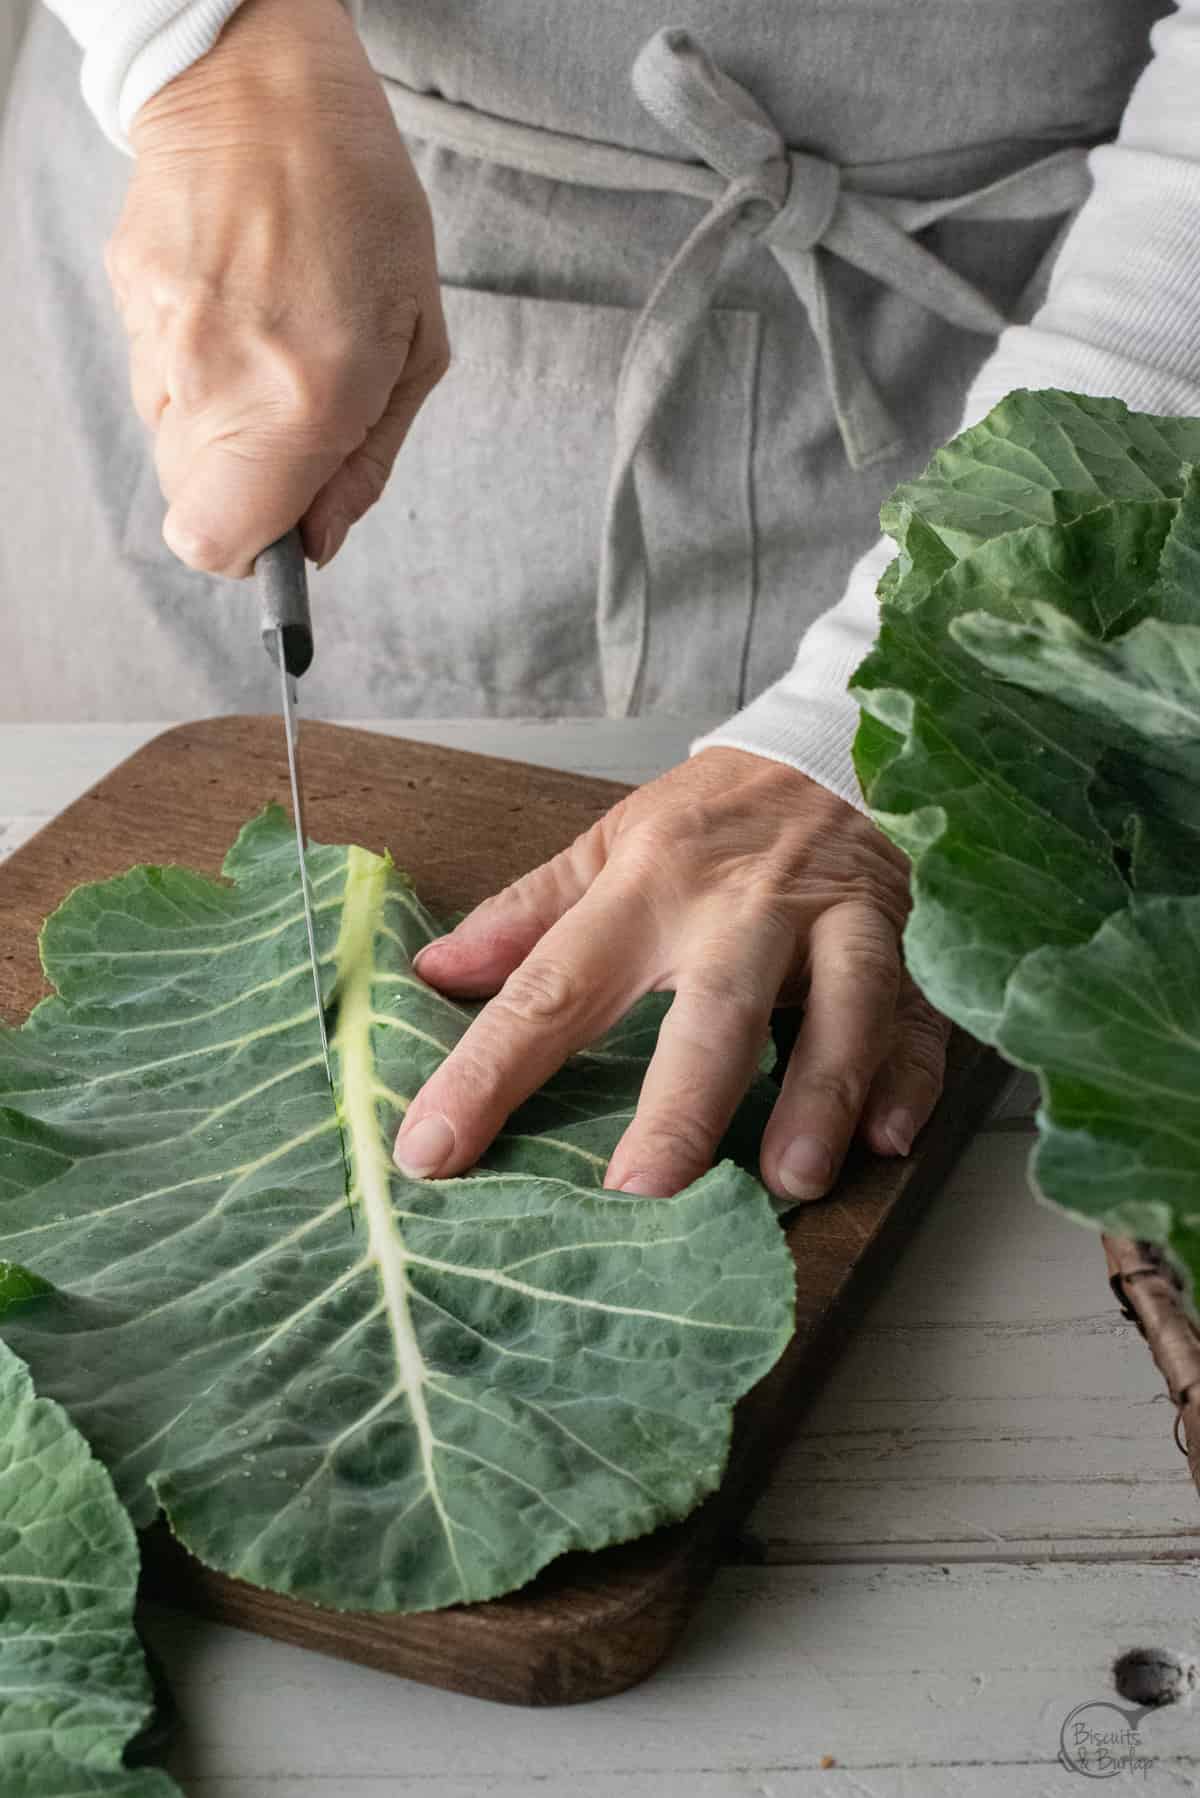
<point>463,825</point>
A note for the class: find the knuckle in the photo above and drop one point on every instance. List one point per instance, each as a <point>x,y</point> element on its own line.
<point>530,899</point>
<point>679,1141</point>
<point>361,484</point>
<point>191,367</point>
<point>667,828</point>
<point>434,360</point>
<point>499,906</point>
<point>540,991</point>
<point>916,1018</point>
<point>472,1078</point>
<point>862,962</point>
<point>923,1024</point>
<point>922,1049</point>
<point>857,942</point>
<point>842,1089</point>
<point>308,387</point>
<point>741,1003</point>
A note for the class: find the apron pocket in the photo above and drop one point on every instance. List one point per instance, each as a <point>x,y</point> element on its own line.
<point>471,586</point>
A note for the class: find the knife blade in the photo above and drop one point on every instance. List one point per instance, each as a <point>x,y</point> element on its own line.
<point>286,627</point>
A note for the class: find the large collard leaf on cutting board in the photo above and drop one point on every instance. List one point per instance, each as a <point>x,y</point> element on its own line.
<point>419,1403</point>
<point>1032,738</point>
<point>73,1683</point>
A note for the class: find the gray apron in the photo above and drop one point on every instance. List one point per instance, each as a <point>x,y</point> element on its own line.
<point>706,306</point>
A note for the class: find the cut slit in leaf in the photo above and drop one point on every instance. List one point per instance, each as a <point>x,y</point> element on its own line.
<point>492,1370</point>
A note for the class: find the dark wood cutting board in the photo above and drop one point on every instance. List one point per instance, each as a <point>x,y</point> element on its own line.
<point>462,825</point>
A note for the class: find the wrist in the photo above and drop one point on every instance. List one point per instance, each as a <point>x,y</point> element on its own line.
<point>733,761</point>
<point>269,54</point>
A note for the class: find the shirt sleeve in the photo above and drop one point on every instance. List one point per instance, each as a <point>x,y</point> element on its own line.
<point>132,48</point>
<point>1121,318</point>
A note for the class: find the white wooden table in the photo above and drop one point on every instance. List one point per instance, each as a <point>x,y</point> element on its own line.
<point>982,1510</point>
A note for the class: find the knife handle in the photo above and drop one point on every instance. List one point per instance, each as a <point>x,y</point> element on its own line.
<point>279,575</point>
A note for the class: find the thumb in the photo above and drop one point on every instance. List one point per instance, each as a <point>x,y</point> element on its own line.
<point>479,954</point>
<point>230,495</point>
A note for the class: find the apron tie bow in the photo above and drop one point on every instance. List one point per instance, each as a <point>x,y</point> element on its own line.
<point>797,205</point>
<point>813,194</point>
<point>799,208</point>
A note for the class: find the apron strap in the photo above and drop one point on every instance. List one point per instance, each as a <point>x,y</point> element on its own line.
<point>798,206</point>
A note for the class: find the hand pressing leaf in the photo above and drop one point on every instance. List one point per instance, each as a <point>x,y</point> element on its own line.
<point>73,1683</point>
<point>482,1373</point>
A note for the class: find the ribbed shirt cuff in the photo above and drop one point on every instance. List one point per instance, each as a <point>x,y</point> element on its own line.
<point>132,48</point>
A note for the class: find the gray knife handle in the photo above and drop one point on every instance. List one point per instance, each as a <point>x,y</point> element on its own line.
<point>282,583</point>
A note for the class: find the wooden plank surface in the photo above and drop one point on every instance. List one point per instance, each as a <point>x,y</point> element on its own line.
<point>992,1403</point>
<point>463,825</point>
<point>920,1682</point>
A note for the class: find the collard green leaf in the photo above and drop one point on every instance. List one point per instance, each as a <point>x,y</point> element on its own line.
<point>989,784</point>
<point>480,1374</point>
<point>1142,691</point>
<point>73,1683</point>
<point>1031,737</point>
<point>1114,1024</point>
<point>1145,684</point>
<point>1044,458</point>
<point>1179,567</point>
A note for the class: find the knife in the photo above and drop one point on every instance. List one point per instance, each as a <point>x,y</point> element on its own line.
<point>286,627</point>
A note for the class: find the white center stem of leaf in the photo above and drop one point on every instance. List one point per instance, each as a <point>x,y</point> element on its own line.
<point>371,1165</point>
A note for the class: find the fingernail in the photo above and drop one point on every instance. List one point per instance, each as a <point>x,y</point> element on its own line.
<point>805,1167</point>
<point>422,1148</point>
<point>899,1128</point>
<point>416,960</point>
<point>336,532</point>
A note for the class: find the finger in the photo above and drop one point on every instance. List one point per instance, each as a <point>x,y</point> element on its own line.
<point>706,1053</point>
<point>234,496</point>
<point>477,957</point>
<point>362,477</point>
<point>578,981</point>
<point>253,429</point>
<point>908,1085</point>
<point>854,980</point>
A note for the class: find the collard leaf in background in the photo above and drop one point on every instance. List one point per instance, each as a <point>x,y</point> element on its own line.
<point>1043,458</point>
<point>1031,737</point>
<point>1007,772</point>
<point>73,1683</point>
<point>1142,692</point>
<point>1114,1026</point>
<point>427,1407</point>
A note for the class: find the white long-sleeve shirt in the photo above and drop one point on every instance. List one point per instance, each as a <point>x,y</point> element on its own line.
<point>1121,317</point>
